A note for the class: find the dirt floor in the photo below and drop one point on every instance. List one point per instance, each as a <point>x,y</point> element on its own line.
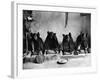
<point>82,60</point>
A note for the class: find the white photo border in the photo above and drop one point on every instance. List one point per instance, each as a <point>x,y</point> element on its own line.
<point>17,63</point>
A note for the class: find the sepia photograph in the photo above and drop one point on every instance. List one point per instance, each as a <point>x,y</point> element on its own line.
<point>56,39</point>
